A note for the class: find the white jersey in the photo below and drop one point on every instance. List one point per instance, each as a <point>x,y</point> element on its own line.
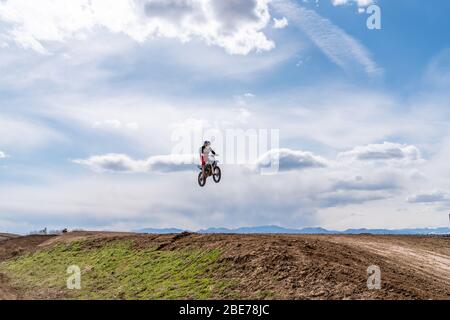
<point>205,153</point>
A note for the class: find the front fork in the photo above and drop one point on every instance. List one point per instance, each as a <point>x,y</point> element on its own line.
<point>204,171</point>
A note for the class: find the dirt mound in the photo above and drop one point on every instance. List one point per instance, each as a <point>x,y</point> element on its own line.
<point>6,236</point>
<point>15,246</point>
<point>331,267</point>
<point>67,238</point>
<point>11,247</point>
<point>288,266</point>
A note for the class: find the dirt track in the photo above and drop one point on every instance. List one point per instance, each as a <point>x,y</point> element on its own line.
<point>291,266</point>
<point>424,256</point>
<point>6,236</point>
<point>11,247</point>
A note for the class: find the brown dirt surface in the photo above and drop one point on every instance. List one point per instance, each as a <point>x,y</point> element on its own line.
<point>11,247</point>
<point>289,266</point>
<point>6,236</point>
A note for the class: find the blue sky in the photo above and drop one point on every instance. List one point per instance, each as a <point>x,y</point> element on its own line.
<point>91,93</point>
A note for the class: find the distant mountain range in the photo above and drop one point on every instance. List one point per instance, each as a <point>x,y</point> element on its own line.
<point>281,230</point>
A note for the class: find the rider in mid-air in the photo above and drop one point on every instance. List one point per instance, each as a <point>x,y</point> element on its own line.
<point>205,150</point>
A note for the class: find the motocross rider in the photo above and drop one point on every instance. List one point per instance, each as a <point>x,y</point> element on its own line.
<point>204,151</point>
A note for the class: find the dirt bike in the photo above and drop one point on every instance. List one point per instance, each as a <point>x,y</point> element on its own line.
<point>211,169</point>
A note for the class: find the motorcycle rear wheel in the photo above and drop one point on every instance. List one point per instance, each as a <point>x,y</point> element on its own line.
<point>201,180</point>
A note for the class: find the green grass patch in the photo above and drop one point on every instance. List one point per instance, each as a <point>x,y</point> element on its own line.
<point>116,270</point>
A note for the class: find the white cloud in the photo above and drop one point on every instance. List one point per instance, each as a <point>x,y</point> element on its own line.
<point>381,181</point>
<point>280,23</point>
<point>17,132</point>
<point>289,160</point>
<point>243,99</point>
<point>386,151</point>
<point>299,198</point>
<point>128,199</point>
<point>114,162</point>
<point>438,70</point>
<point>2,155</point>
<point>122,163</point>
<point>115,124</point>
<point>171,163</point>
<point>360,3</point>
<point>335,43</point>
<point>234,25</point>
<point>341,198</point>
<point>435,196</point>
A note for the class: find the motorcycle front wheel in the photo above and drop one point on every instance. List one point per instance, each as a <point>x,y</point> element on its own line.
<point>217,175</point>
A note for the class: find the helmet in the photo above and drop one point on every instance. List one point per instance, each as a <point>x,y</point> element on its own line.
<point>206,143</point>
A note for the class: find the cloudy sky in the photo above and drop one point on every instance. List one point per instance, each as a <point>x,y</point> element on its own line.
<point>92,91</point>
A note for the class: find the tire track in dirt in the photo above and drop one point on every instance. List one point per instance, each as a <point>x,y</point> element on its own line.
<point>416,256</point>
<point>7,292</point>
<point>9,248</point>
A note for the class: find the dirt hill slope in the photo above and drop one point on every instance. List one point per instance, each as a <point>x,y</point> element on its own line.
<point>215,266</point>
<point>6,236</point>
